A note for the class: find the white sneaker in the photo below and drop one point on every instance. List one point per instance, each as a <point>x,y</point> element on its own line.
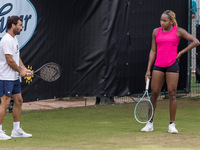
<point>3,136</point>
<point>20,133</point>
<point>148,127</point>
<point>172,128</point>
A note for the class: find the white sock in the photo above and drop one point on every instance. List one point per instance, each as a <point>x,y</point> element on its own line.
<point>1,127</point>
<point>16,125</point>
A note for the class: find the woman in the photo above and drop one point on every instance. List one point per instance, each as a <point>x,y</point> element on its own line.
<point>165,40</point>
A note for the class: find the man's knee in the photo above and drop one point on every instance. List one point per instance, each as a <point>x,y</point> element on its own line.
<point>5,101</point>
<point>18,102</point>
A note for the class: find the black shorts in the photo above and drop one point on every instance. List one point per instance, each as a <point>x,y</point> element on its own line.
<point>173,68</point>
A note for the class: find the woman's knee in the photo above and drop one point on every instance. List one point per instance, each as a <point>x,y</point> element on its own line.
<point>154,95</point>
<point>172,95</point>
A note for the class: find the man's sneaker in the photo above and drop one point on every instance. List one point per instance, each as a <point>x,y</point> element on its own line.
<point>20,133</point>
<point>3,136</point>
<point>172,128</point>
<point>148,127</point>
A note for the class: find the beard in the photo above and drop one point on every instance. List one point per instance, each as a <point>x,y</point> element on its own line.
<point>16,31</point>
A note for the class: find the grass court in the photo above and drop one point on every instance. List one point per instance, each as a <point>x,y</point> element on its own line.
<point>106,127</point>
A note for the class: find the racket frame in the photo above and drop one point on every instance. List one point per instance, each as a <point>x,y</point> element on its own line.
<point>34,73</point>
<point>146,94</point>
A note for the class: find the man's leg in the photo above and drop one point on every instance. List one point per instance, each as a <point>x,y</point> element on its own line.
<point>17,107</point>
<point>5,95</point>
<point>5,101</point>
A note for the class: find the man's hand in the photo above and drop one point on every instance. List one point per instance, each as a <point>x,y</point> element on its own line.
<point>22,73</point>
<point>193,15</point>
<point>29,72</point>
<point>26,72</point>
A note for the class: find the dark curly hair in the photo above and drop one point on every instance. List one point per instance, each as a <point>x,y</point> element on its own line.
<point>12,20</point>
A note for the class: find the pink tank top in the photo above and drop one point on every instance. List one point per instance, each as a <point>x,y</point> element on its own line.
<point>167,44</point>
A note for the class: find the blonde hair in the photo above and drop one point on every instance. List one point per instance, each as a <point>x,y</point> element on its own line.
<point>172,16</point>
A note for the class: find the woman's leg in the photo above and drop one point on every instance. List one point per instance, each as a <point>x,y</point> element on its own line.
<point>158,78</point>
<point>172,82</point>
<point>157,81</point>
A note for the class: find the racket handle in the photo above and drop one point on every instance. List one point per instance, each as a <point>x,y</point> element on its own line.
<point>147,83</point>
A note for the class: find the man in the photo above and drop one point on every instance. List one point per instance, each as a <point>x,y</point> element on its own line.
<point>194,9</point>
<point>11,66</point>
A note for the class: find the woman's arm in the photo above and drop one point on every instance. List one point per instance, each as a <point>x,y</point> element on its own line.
<point>152,54</point>
<point>182,33</point>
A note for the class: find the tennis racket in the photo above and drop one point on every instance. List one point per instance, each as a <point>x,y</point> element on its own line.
<point>144,109</point>
<point>48,72</point>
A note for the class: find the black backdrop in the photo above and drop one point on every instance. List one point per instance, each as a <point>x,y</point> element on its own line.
<point>198,55</point>
<point>102,46</point>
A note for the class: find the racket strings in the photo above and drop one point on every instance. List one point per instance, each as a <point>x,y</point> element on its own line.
<point>143,111</point>
<point>50,72</point>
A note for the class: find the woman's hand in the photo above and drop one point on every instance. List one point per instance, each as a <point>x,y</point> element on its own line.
<point>179,55</point>
<point>147,75</point>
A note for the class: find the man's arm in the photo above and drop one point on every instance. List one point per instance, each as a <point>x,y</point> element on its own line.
<point>21,64</point>
<point>23,71</point>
